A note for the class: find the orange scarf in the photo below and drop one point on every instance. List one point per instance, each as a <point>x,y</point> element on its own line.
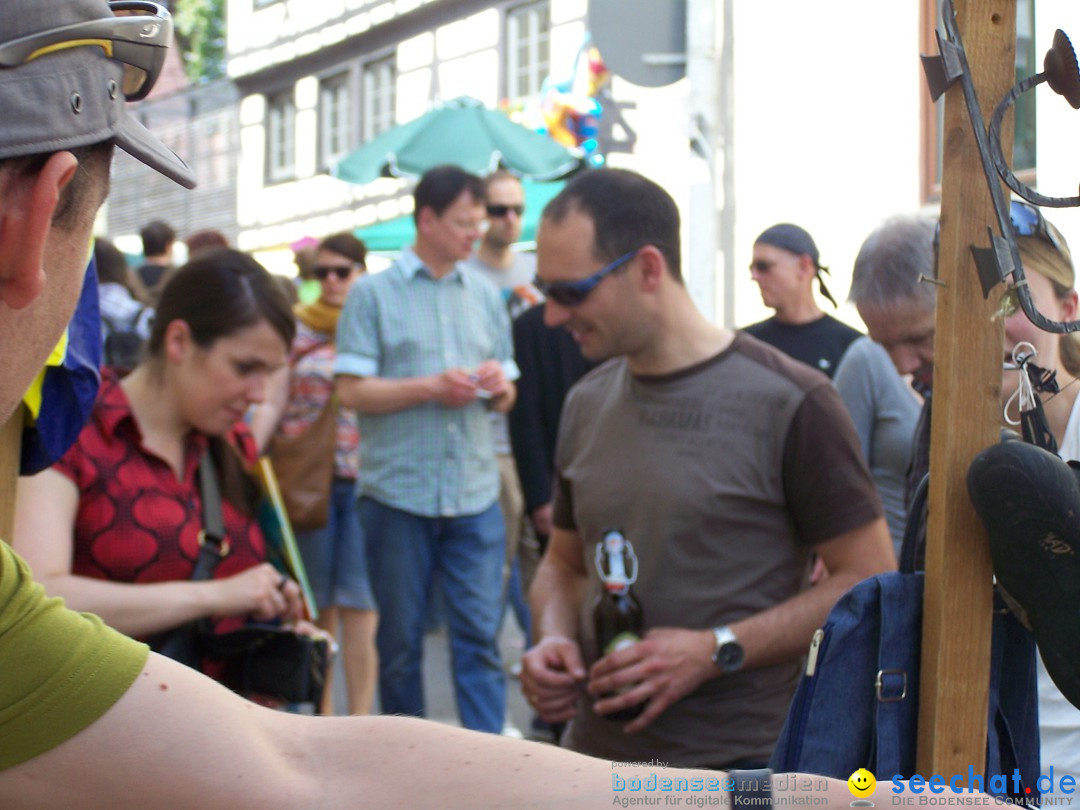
<point>318,316</point>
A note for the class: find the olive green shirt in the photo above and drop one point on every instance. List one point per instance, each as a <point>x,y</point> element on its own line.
<point>59,670</point>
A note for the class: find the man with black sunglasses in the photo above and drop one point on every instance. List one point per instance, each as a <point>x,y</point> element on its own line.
<point>495,257</point>
<point>724,463</point>
<point>785,266</point>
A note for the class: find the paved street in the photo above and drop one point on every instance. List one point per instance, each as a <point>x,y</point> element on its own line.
<point>438,684</point>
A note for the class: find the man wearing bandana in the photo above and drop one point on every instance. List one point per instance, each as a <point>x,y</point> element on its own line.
<point>785,266</point>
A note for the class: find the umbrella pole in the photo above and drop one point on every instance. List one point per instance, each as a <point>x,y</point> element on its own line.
<point>954,679</point>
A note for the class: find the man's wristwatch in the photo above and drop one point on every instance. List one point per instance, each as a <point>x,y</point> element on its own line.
<point>728,653</point>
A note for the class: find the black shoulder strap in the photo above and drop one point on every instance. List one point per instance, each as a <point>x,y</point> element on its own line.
<point>212,543</point>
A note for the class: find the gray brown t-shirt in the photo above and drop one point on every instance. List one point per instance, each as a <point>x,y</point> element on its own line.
<point>722,477</point>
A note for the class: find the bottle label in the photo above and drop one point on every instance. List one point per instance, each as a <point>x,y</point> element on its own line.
<point>621,642</point>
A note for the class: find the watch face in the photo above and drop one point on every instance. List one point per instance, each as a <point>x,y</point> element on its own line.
<point>730,656</point>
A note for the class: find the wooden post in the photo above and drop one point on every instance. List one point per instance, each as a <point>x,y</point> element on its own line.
<point>954,680</point>
<point>10,443</point>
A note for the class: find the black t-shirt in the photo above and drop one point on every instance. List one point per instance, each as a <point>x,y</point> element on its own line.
<point>150,274</point>
<point>820,344</point>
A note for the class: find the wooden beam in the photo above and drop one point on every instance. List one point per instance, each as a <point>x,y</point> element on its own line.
<point>10,444</point>
<point>954,680</point>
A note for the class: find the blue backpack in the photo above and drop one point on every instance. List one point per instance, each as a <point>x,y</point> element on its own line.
<point>857,703</point>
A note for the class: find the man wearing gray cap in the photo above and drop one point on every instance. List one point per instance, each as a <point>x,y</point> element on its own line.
<point>785,265</point>
<point>88,717</point>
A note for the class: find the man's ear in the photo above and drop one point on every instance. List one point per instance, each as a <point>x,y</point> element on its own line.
<point>424,219</point>
<point>27,205</point>
<point>653,267</point>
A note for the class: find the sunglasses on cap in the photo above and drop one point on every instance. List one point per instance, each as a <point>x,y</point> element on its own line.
<point>322,273</point>
<point>137,35</point>
<point>572,293</point>
<point>1027,220</point>
<point>499,211</point>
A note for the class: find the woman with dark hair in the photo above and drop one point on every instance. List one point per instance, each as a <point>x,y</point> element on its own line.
<point>114,526</point>
<point>334,553</point>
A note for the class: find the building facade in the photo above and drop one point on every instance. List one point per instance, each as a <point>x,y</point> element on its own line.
<point>788,111</point>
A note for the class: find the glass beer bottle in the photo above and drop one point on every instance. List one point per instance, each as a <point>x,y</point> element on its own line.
<point>617,614</point>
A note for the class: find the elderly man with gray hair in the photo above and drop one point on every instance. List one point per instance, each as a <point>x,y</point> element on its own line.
<point>882,396</point>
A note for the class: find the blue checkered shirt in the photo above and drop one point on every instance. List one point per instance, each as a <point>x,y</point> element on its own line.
<point>429,460</point>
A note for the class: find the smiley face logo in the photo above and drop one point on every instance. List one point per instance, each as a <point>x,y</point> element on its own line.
<point>862,783</point>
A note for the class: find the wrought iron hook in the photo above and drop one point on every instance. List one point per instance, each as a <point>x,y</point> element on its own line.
<point>1060,72</point>
<point>1002,259</point>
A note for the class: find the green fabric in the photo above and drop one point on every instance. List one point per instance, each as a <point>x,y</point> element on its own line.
<point>59,670</point>
<point>465,133</point>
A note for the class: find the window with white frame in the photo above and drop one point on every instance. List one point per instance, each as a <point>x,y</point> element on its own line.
<point>528,60</point>
<point>380,80</point>
<point>281,137</point>
<point>335,118</point>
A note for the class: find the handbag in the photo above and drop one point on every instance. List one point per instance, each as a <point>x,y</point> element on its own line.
<point>304,466</point>
<point>857,703</point>
<point>261,658</point>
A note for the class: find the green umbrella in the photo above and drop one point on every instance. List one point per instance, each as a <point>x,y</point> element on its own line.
<point>463,132</point>
<point>391,235</point>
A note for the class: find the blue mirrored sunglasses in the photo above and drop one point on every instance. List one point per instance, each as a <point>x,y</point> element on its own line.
<point>1027,220</point>
<point>572,293</point>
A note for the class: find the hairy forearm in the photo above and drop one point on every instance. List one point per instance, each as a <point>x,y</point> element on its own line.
<point>187,741</point>
<point>377,395</point>
<point>783,632</point>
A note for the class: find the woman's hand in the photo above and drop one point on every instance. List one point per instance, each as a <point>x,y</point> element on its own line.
<point>261,592</point>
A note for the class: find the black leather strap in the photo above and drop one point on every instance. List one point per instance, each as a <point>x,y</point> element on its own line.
<point>213,547</point>
<point>749,788</point>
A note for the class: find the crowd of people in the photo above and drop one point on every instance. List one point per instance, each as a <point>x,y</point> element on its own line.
<point>489,417</point>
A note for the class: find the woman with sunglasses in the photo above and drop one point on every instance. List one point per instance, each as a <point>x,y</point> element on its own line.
<point>334,554</point>
<point>1050,275</point>
<point>114,527</point>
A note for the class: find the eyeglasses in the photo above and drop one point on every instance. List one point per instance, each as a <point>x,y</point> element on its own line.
<point>500,211</point>
<point>572,293</point>
<point>137,35</point>
<point>322,273</point>
<point>761,266</point>
<point>1027,220</point>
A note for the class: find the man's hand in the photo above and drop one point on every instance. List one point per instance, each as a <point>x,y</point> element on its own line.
<point>541,519</point>
<point>551,675</point>
<point>455,388</point>
<point>664,666</point>
<point>489,376</point>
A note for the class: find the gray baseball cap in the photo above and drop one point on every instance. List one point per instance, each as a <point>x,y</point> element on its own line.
<point>58,93</point>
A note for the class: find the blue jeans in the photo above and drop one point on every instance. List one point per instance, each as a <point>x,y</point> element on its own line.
<point>404,552</point>
<point>335,557</point>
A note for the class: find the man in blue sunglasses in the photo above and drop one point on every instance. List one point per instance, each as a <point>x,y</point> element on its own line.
<point>723,462</point>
